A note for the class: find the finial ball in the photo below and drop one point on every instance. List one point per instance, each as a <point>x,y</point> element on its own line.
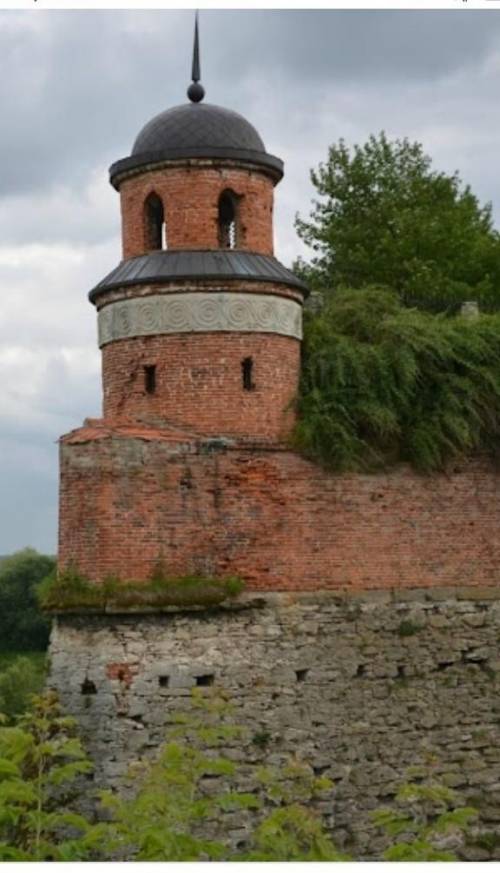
<point>196,92</point>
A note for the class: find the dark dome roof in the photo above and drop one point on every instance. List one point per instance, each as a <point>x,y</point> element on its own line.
<point>195,130</point>
<point>197,125</point>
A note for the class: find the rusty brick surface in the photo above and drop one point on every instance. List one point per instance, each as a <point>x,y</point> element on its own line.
<point>190,197</point>
<point>271,516</point>
<point>199,382</point>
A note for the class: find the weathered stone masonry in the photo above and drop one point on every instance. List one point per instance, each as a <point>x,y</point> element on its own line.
<point>362,687</point>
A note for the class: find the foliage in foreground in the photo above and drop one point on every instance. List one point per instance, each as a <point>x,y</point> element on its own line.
<point>69,589</point>
<point>426,824</point>
<point>41,762</point>
<point>22,625</point>
<point>382,383</point>
<point>193,784</point>
<point>188,791</point>
<point>40,759</point>
<point>385,217</point>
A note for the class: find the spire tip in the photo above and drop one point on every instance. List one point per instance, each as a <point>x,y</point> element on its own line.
<point>196,91</point>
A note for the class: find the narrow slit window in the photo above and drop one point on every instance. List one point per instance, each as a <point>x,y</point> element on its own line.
<point>247,371</point>
<point>228,227</point>
<point>155,226</point>
<point>88,687</point>
<point>206,679</point>
<point>150,378</point>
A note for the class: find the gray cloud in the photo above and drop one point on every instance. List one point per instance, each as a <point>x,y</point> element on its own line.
<point>76,87</point>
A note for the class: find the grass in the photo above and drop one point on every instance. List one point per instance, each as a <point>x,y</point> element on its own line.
<point>69,590</point>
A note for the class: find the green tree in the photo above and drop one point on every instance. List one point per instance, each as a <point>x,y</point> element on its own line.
<point>23,627</point>
<point>384,217</point>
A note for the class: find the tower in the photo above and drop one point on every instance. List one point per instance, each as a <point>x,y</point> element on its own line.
<point>371,646</point>
<point>199,325</point>
<point>199,328</point>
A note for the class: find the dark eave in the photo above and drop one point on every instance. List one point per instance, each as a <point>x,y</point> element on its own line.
<point>171,266</point>
<point>136,163</point>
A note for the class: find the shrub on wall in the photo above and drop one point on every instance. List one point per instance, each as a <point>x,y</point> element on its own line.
<point>382,383</point>
<point>69,589</point>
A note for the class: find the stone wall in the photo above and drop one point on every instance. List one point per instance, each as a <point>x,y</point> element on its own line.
<point>130,495</point>
<point>362,687</point>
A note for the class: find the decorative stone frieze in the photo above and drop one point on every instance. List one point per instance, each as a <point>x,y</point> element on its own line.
<point>198,312</point>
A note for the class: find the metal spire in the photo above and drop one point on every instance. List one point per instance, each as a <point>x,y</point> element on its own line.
<point>196,91</point>
<point>195,74</point>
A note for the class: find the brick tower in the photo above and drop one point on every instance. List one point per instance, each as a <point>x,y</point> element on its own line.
<point>366,641</point>
<point>199,328</point>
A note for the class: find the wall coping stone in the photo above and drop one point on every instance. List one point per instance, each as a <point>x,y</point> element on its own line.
<point>261,600</point>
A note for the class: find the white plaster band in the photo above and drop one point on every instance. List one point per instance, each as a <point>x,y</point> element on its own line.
<point>199,312</point>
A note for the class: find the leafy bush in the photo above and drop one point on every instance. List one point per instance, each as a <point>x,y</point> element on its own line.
<point>19,681</point>
<point>381,383</point>
<point>70,590</point>
<point>40,761</point>
<point>23,627</point>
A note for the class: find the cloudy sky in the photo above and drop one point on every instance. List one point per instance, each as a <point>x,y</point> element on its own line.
<point>76,87</point>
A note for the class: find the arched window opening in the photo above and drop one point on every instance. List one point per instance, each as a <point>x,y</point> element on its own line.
<point>228,220</point>
<point>156,228</point>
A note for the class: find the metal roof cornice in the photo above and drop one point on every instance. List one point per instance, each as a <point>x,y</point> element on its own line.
<point>148,160</point>
<point>172,265</point>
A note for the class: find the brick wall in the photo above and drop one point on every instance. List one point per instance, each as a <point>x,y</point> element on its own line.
<point>199,382</point>
<point>274,518</point>
<point>190,197</point>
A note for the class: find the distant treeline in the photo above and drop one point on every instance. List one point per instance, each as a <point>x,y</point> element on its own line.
<point>23,627</point>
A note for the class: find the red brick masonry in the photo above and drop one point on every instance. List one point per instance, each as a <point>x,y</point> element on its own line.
<point>199,382</point>
<point>190,199</point>
<point>130,494</point>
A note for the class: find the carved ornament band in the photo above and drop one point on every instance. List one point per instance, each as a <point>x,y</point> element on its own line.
<point>198,312</point>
